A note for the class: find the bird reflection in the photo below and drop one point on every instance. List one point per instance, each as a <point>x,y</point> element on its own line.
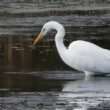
<point>87,92</point>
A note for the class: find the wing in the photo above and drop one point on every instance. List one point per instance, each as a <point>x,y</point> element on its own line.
<point>89,57</point>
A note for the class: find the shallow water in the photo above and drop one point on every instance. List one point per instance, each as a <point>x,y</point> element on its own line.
<point>30,79</point>
<point>51,90</point>
<point>89,91</point>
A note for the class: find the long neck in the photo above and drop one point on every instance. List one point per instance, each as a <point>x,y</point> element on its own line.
<point>62,50</point>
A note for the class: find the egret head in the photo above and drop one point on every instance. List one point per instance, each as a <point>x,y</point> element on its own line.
<point>46,28</point>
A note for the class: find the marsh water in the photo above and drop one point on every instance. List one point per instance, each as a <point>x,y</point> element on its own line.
<point>36,78</point>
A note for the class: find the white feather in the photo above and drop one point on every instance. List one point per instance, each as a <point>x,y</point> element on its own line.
<point>81,55</point>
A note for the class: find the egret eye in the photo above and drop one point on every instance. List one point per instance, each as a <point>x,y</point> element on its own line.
<point>43,29</point>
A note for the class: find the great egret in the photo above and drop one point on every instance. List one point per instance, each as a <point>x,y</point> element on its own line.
<point>81,55</point>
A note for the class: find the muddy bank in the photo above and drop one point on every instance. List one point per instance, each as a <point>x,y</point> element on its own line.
<point>52,101</point>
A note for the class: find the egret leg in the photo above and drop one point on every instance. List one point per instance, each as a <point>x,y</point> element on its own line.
<point>87,73</point>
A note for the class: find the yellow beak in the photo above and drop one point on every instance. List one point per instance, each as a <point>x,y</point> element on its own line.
<point>37,40</point>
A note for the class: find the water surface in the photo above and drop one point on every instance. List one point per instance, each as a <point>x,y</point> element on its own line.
<point>30,78</point>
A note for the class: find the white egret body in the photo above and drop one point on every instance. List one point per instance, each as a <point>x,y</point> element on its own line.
<point>81,55</point>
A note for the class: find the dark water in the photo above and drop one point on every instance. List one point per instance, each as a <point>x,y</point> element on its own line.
<point>31,79</point>
<point>16,53</point>
<point>51,90</point>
